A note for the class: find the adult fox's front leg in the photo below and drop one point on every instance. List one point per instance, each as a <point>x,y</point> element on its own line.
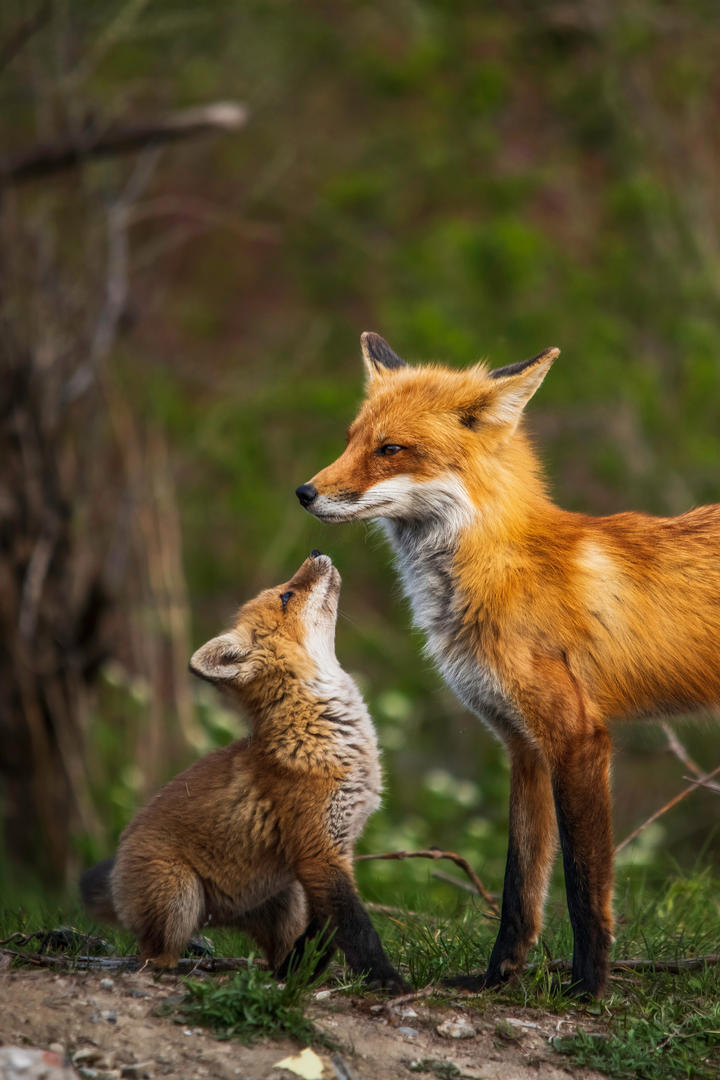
<point>531,848</point>
<point>566,725</point>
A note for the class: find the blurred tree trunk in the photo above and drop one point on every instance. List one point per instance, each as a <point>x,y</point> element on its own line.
<point>52,612</point>
<point>90,553</point>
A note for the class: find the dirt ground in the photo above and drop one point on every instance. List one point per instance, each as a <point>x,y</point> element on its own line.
<point>109,1027</point>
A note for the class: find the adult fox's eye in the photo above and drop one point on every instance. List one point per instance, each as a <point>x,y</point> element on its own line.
<point>388,450</point>
<point>285,597</point>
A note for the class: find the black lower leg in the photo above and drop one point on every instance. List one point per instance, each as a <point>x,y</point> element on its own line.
<point>358,938</point>
<point>586,882</point>
<point>325,947</point>
<point>511,945</point>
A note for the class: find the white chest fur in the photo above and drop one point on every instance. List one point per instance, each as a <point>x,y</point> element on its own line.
<point>424,555</point>
<point>356,750</point>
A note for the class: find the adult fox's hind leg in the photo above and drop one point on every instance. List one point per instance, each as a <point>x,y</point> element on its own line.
<point>582,801</point>
<point>565,722</point>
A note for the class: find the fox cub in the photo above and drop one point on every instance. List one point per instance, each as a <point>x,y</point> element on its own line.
<point>547,624</point>
<point>260,834</point>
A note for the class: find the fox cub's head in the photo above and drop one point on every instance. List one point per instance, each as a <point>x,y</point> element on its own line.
<point>427,440</point>
<point>286,631</point>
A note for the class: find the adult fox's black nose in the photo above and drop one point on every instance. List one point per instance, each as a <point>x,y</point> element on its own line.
<point>306,493</point>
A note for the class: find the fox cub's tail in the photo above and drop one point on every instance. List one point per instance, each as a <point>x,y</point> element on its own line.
<point>96,892</point>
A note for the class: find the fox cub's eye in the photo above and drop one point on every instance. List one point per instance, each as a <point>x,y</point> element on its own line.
<point>388,450</point>
<point>285,597</point>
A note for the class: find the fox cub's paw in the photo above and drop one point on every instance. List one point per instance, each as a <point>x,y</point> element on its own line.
<point>392,982</point>
<point>472,984</point>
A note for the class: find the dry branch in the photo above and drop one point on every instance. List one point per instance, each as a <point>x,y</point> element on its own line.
<point>700,782</point>
<point>45,159</point>
<point>671,967</point>
<point>703,782</point>
<point>186,965</point>
<point>222,964</point>
<point>436,853</point>
<point>677,748</point>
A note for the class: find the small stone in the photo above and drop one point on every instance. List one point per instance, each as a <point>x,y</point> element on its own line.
<point>456,1028</point>
<point>407,1032</point>
<point>107,984</point>
<point>21,1063</point>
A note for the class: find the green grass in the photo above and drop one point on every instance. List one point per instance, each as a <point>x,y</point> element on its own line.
<point>672,1030</point>
<point>251,1004</point>
<point>652,1024</point>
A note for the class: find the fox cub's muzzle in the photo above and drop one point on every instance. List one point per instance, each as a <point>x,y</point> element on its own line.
<point>315,568</point>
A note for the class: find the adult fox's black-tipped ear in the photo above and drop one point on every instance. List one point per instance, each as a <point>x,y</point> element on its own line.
<point>515,385</point>
<point>223,659</point>
<point>542,361</point>
<point>379,358</point>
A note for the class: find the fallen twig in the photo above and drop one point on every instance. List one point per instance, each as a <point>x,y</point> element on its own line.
<point>672,967</point>
<point>700,782</point>
<point>436,853</point>
<point>405,999</point>
<point>186,965</point>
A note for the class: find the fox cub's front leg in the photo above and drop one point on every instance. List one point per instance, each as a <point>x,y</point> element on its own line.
<point>334,902</point>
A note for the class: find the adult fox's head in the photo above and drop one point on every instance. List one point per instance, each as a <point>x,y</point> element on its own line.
<point>428,441</point>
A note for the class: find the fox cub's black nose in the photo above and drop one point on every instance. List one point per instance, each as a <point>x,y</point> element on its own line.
<point>314,554</point>
<point>306,493</point>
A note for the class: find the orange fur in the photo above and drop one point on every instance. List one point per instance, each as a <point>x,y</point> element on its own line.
<point>546,623</point>
<point>260,834</point>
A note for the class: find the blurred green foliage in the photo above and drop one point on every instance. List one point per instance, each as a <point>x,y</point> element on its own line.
<point>469,180</point>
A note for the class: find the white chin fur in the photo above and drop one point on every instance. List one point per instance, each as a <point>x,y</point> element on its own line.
<point>403,498</point>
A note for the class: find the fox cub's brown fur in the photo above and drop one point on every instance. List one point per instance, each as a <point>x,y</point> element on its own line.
<point>545,623</point>
<point>260,834</point>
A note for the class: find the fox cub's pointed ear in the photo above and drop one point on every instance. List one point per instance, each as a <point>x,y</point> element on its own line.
<point>515,385</point>
<point>223,659</point>
<point>378,356</point>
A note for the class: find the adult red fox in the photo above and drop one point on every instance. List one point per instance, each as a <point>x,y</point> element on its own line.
<point>260,834</point>
<point>545,623</point>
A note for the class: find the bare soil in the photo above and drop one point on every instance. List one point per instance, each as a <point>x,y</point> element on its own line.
<point>113,1026</point>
